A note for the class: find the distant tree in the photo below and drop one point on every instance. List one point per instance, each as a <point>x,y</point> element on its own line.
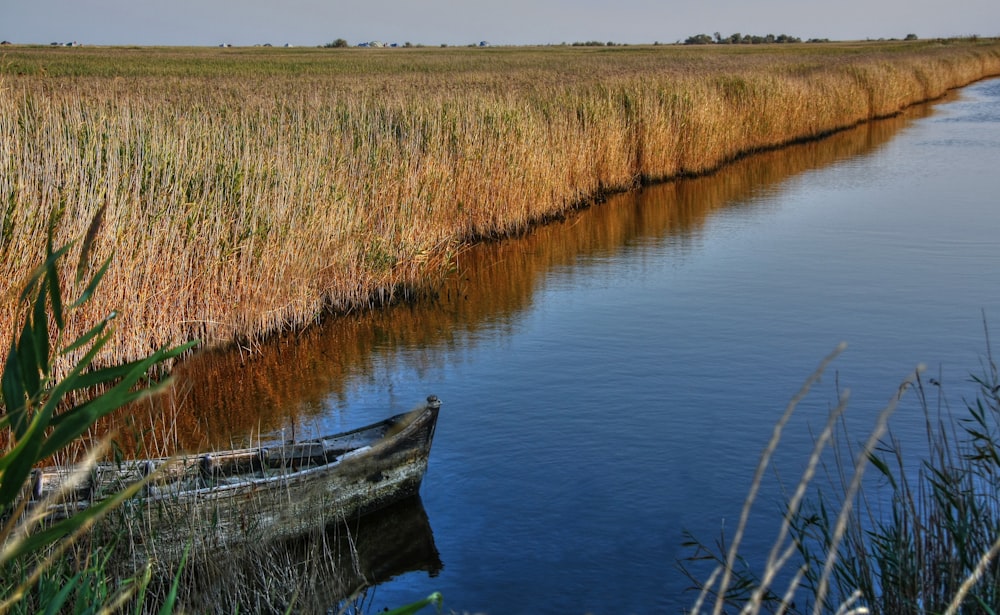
<point>337,43</point>
<point>698,39</point>
<point>911,37</point>
<point>737,38</point>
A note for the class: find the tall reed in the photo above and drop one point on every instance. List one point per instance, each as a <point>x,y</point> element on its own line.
<point>250,190</point>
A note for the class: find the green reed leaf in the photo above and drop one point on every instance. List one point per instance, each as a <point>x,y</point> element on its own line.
<point>88,292</point>
<point>436,599</point>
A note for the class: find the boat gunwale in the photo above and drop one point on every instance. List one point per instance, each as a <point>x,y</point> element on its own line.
<point>422,418</point>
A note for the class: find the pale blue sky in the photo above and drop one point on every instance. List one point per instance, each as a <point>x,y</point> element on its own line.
<point>432,22</point>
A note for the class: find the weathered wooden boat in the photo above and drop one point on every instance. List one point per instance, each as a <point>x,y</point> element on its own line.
<point>257,494</point>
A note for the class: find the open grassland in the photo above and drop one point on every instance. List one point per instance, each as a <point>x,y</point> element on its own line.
<point>246,191</point>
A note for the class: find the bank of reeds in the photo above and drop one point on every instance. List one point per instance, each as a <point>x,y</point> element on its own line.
<point>250,190</point>
<point>282,382</point>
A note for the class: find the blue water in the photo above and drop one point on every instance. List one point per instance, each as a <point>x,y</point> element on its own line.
<point>605,395</point>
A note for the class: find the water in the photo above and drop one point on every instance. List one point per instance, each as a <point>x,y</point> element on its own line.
<point>610,380</point>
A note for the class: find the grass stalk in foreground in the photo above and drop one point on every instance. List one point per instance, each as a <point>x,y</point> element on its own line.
<point>44,413</point>
<point>922,540</point>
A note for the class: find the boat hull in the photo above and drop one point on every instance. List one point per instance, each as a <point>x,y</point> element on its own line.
<point>262,494</point>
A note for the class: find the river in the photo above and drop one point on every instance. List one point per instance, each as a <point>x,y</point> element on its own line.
<point>610,380</point>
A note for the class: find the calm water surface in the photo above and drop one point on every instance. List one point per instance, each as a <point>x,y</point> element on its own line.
<point>610,380</point>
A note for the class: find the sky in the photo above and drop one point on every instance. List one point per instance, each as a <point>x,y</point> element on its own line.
<point>500,22</point>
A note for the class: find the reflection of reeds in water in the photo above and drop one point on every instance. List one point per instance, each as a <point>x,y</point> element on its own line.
<point>224,397</point>
<point>250,191</point>
<point>312,573</point>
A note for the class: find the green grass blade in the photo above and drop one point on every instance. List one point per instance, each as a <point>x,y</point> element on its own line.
<point>81,341</point>
<point>92,285</point>
<point>108,375</point>
<point>883,468</point>
<point>984,606</point>
<point>40,332</point>
<point>39,272</point>
<point>435,599</point>
<point>71,424</point>
<point>88,242</point>
<point>14,392</point>
<point>55,294</point>
<point>171,600</point>
<point>140,599</point>
<point>29,361</point>
<point>56,603</point>
<point>15,465</point>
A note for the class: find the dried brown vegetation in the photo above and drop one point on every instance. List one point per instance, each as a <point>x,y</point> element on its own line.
<point>247,191</point>
<point>222,397</point>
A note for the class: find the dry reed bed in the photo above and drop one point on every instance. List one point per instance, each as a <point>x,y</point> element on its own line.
<point>247,193</point>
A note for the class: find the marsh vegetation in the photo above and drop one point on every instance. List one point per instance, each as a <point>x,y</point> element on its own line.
<point>249,190</point>
<point>240,206</point>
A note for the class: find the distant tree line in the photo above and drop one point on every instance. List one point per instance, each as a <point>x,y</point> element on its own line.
<point>739,39</point>
<point>595,44</point>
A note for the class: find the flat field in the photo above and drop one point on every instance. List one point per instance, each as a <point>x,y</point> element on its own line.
<point>247,190</point>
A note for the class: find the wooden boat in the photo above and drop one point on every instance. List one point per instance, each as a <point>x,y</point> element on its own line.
<point>256,494</point>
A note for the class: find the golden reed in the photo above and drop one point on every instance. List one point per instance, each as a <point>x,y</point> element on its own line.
<point>249,190</point>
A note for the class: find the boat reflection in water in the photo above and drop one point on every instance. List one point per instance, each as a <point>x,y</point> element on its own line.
<point>388,544</point>
<point>334,570</point>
